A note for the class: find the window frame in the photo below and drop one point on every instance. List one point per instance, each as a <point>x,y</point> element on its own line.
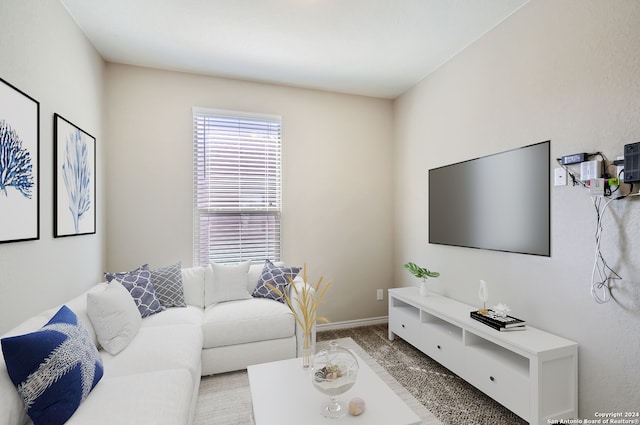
<point>263,216</point>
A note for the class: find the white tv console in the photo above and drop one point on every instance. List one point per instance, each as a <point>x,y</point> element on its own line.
<point>531,372</point>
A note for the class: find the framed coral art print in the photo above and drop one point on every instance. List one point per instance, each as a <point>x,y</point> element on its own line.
<point>19,165</point>
<point>74,212</point>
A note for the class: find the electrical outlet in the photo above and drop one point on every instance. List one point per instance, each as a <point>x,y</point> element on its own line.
<point>620,169</point>
<point>379,295</point>
<point>560,177</point>
<point>596,187</point>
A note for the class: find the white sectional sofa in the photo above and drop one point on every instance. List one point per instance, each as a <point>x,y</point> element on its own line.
<point>155,378</point>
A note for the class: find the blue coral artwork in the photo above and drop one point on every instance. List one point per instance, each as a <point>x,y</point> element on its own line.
<point>19,165</point>
<point>75,182</point>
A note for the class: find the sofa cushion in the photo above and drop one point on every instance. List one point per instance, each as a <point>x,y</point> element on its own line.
<point>114,316</point>
<point>158,348</point>
<point>188,315</point>
<point>138,283</point>
<point>226,282</point>
<point>79,306</point>
<point>11,404</point>
<point>193,284</point>
<point>53,368</point>
<point>277,277</point>
<point>255,271</point>
<point>167,281</point>
<point>162,397</point>
<point>242,321</point>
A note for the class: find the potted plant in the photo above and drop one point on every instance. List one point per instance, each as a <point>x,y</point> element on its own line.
<point>421,273</point>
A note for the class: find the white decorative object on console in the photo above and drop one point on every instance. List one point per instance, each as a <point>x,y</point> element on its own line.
<point>533,373</point>
<point>423,288</point>
<point>483,294</point>
<point>501,310</point>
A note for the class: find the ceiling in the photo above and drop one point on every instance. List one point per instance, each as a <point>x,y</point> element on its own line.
<point>375,48</point>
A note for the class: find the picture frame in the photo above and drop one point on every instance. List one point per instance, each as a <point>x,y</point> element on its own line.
<point>19,165</point>
<point>74,180</point>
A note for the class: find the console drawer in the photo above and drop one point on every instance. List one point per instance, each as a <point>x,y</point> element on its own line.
<point>444,347</point>
<point>507,385</point>
<point>405,322</point>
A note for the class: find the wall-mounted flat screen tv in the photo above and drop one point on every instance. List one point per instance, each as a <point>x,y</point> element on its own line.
<point>498,202</point>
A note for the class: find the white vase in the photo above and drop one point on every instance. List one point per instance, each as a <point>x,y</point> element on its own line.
<point>423,288</point>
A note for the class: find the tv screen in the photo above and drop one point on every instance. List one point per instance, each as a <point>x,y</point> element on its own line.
<point>498,202</point>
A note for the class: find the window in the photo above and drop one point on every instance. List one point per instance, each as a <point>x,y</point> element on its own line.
<point>237,186</point>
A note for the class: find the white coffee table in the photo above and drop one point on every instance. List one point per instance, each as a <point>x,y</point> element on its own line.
<point>282,394</point>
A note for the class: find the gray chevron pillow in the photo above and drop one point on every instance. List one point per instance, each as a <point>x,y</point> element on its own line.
<point>167,282</point>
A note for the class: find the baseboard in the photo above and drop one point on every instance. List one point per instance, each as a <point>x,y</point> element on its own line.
<point>352,323</point>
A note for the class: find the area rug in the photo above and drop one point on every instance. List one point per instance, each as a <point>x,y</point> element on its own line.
<point>225,399</point>
<point>437,395</point>
<point>451,399</point>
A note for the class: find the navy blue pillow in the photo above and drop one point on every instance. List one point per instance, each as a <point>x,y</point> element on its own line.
<point>54,368</point>
<point>278,277</point>
<point>138,283</point>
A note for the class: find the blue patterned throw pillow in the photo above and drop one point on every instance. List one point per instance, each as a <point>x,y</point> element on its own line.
<point>138,283</point>
<point>54,368</point>
<point>276,276</point>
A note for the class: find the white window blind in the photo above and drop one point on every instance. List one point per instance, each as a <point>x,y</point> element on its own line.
<point>237,186</point>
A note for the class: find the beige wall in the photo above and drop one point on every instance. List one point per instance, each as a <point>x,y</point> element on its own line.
<point>355,172</point>
<point>337,153</point>
<point>44,54</point>
<point>565,70</point>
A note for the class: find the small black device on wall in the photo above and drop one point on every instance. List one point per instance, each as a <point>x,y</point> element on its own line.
<point>632,162</point>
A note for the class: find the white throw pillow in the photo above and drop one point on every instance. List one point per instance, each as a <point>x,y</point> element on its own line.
<point>193,283</point>
<point>226,282</point>
<point>114,316</point>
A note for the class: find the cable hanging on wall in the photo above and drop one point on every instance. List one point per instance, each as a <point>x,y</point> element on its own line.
<point>601,274</point>
<point>601,186</point>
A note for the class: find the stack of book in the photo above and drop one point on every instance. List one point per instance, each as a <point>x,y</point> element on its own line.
<point>499,323</point>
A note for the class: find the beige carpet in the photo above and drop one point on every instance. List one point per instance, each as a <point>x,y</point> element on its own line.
<point>225,399</point>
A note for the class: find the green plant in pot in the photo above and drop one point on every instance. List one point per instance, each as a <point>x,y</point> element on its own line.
<point>421,273</point>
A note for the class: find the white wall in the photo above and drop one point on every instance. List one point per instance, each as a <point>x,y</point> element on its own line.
<point>565,70</point>
<point>337,150</point>
<point>44,54</point>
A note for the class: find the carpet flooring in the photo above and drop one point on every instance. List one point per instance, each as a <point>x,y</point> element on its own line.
<point>225,399</point>
<point>436,394</point>
<point>451,399</point>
